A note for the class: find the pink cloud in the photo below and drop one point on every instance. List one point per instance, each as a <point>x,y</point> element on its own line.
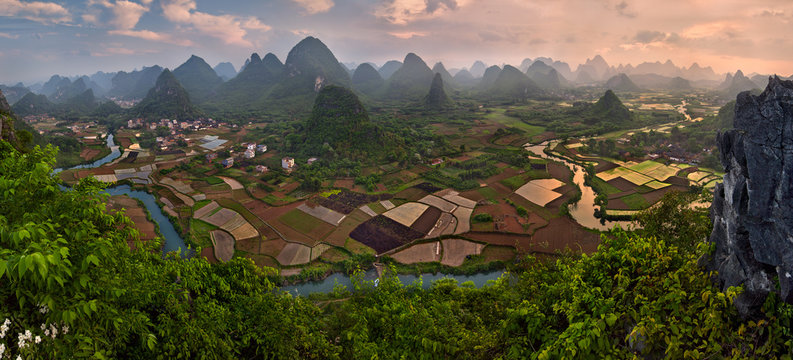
<point>315,6</point>
<point>228,28</point>
<point>43,12</point>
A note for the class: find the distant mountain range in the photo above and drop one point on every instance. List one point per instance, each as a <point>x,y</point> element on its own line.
<point>268,86</point>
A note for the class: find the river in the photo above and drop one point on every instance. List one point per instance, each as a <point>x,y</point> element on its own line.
<point>173,242</point>
<point>584,210</point>
<point>326,285</point>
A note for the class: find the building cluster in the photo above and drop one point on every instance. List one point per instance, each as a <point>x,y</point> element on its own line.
<point>249,151</point>
<point>175,126</point>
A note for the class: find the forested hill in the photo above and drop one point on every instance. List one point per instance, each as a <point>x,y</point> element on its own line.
<point>72,288</point>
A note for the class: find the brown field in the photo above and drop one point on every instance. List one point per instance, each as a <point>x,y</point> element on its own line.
<point>294,254</point>
<point>427,220</point>
<point>272,246</point>
<point>263,260</point>
<point>500,188</point>
<point>209,254</point>
<point>455,251</point>
<point>221,217</point>
<point>617,204</point>
<point>234,223</point>
<point>368,210</point>
<point>291,234</point>
<point>505,173</point>
<point>89,153</point>
<point>498,253</point>
<point>455,198</point>
<point>223,244</point>
<point>411,194</point>
<point>310,226</point>
<point>653,197</point>
<point>420,253</point>
<point>245,231</point>
<point>563,233</point>
<point>494,238</point>
<point>250,245</point>
<point>383,234</point>
<point>473,195</point>
<point>559,171</point>
<point>622,184</point>
<point>445,225</point>
<point>234,184</point>
<point>439,203</point>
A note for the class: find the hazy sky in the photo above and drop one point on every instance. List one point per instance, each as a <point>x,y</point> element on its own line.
<point>41,38</point>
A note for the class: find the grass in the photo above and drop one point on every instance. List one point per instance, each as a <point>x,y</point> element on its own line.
<point>199,230</point>
<point>646,166</point>
<point>605,187</point>
<point>498,116</point>
<point>514,182</point>
<point>489,194</point>
<point>300,221</point>
<point>357,248</point>
<point>201,203</point>
<point>213,180</point>
<point>377,207</point>
<point>635,201</point>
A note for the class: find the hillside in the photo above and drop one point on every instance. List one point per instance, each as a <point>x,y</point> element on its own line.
<point>735,84</point>
<point>514,85</point>
<point>366,79</point>
<point>225,70</point>
<point>448,80</point>
<point>621,82</point>
<point>134,85</point>
<point>411,81</point>
<point>437,99</point>
<point>489,77</point>
<point>252,83</point>
<point>14,93</point>
<point>7,120</point>
<point>198,78</point>
<point>609,108</point>
<point>545,76</point>
<point>389,68</point>
<point>33,104</point>
<point>339,119</point>
<point>308,68</point>
<point>168,100</point>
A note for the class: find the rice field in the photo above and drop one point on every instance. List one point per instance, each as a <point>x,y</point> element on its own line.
<point>320,212</point>
<point>655,185</point>
<point>627,174</point>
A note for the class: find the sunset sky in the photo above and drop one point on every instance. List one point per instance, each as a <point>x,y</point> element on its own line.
<point>41,38</point>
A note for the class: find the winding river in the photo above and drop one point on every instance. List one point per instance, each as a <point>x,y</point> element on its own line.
<point>584,210</point>
<point>173,242</point>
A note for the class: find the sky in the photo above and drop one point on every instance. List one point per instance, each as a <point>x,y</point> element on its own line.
<point>42,38</point>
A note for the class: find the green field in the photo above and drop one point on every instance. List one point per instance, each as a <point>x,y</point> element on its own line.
<point>199,230</point>
<point>498,116</point>
<point>605,187</point>
<point>213,180</point>
<point>635,201</point>
<point>514,182</point>
<point>300,221</point>
<point>489,194</point>
<point>377,207</point>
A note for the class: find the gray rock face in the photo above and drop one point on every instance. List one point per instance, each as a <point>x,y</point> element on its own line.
<point>752,210</point>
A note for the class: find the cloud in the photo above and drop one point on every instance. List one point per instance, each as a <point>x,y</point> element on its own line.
<point>127,14</point>
<point>151,36</point>
<point>711,29</point>
<point>8,36</point>
<point>402,12</point>
<point>622,9</point>
<point>315,6</point>
<point>646,36</point>
<point>407,34</point>
<point>228,28</point>
<point>43,12</point>
<point>116,50</point>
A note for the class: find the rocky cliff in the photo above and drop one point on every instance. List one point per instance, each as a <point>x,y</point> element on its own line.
<point>752,210</point>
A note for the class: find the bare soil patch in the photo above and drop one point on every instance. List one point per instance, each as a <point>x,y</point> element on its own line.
<point>455,251</point>
<point>294,254</point>
<point>604,165</point>
<point>223,243</point>
<point>559,171</point>
<point>561,234</point>
<point>427,220</point>
<point>622,184</point>
<point>419,253</point>
<point>383,234</point>
<point>221,217</point>
<point>445,225</point>
<point>463,215</point>
<point>434,201</point>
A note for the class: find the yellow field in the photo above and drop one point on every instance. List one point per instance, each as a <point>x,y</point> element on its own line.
<point>696,176</point>
<point>627,174</point>
<point>407,213</point>
<point>662,172</point>
<point>657,185</point>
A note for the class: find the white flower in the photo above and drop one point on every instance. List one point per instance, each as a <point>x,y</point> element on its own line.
<point>28,334</point>
<point>2,349</point>
<point>47,332</point>
<point>43,326</point>
<point>7,322</point>
<point>65,329</point>
<point>38,339</point>
<point>19,357</point>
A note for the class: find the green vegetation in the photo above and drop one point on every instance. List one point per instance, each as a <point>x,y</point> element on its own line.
<point>64,263</point>
<point>481,218</point>
<point>635,202</point>
<point>167,99</point>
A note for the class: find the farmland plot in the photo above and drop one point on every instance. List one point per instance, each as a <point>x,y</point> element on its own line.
<point>294,254</point>
<point>439,203</point>
<point>420,253</point>
<point>407,213</point>
<point>455,251</point>
<point>223,244</point>
<point>320,212</point>
<point>537,194</point>
<point>463,215</point>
